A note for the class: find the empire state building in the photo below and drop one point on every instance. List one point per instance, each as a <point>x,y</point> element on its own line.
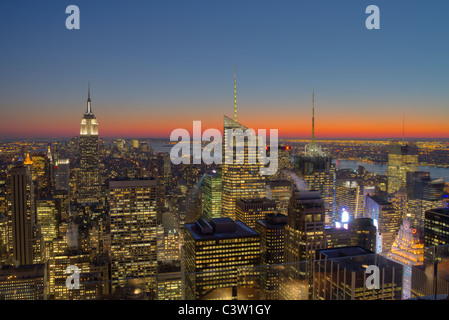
<point>89,187</point>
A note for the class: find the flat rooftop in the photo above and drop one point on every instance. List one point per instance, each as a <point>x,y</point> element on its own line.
<point>223,228</point>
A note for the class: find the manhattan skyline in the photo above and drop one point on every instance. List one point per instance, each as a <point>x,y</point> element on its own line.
<point>157,67</point>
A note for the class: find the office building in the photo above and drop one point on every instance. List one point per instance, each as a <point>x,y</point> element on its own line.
<point>26,282</point>
<point>408,250</point>
<point>423,194</point>
<point>249,211</point>
<point>272,242</point>
<point>280,191</point>
<point>23,232</point>
<point>402,158</point>
<point>385,218</point>
<point>340,274</point>
<point>239,180</point>
<point>47,218</point>
<point>133,231</point>
<point>436,227</point>
<point>89,187</point>
<point>220,257</point>
<point>316,168</point>
<point>363,233</point>
<point>212,190</point>
<point>62,174</point>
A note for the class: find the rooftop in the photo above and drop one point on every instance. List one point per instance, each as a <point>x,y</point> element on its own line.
<point>219,228</point>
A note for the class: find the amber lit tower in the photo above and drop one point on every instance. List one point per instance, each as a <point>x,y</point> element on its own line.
<point>240,177</point>
<point>89,187</point>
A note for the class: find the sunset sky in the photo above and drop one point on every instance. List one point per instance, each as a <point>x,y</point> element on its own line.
<point>155,66</point>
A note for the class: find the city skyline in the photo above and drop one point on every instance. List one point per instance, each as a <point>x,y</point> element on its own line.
<point>155,68</point>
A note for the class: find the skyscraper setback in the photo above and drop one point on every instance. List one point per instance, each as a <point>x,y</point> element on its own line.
<point>89,188</point>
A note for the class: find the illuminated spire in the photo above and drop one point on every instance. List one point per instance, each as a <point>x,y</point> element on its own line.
<point>235,94</point>
<point>89,109</point>
<point>28,160</point>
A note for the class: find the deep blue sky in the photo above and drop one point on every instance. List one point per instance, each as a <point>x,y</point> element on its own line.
<point>174,60</point>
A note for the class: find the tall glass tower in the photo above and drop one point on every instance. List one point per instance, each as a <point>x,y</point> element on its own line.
<point>89,188</point>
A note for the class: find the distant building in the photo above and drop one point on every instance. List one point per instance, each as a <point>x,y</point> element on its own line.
<point>249,211</point>
<point>316,168</point>
<point>402,158</point>
<point>280,191</point>
<point>62,174</point>
<point>212,190</point>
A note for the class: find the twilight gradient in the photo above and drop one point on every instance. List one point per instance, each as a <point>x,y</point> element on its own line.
<point>158,65</point>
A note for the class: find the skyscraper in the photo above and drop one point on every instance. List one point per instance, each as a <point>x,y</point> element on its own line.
<point>62,174</point>
<point>240,180</point>
<point>212,195</point>
<point>402,158</point>
<point>408,250</point>
<point>22,216</point>
<point>249,211</point>
<point>349,198</point>
<point>89,188</point>
<point>386,218</point>
<point>217,255</point>
<point>340,274</point>
<point>423,194</point>
<point>133,230</point>
<point>272,253</point>
<point>316,168</point>
<point>304,233</point>
<point>436,227</point>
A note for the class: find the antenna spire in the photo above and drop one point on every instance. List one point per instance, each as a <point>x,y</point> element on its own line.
<point>312,143</point>
<point>403,127</point>
<point>89,110</point>
<point>235,94</point>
